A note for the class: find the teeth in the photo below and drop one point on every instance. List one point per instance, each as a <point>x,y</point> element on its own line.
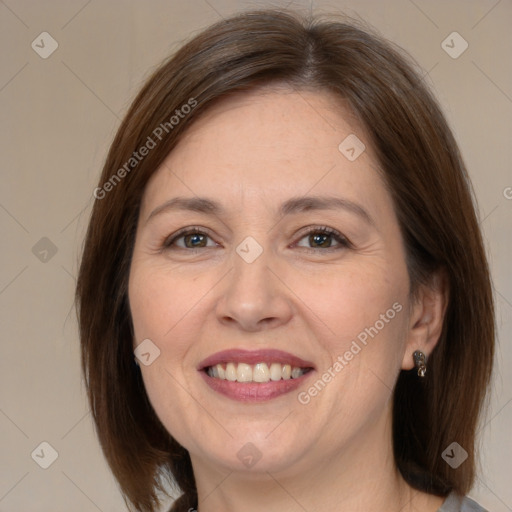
<point>261,372</point>
<point>296,372</point>
<point>244,373</point>
<point>230,372</point>
<point>275,371</point>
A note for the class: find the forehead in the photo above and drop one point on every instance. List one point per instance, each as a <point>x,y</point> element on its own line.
<point>270,144</point>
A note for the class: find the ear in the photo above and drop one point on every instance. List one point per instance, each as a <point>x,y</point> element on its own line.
<point>426,318</point>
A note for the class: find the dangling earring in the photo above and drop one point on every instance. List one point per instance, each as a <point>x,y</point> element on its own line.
<point>420,363</point>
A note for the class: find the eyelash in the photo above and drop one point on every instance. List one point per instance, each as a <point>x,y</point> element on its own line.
<point>343,242</point>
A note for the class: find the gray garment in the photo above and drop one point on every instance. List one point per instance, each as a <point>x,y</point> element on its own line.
<point>455,503</point>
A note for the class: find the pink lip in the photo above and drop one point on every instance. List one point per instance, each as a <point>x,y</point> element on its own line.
<point>254,357</point>
<point>254,391</point>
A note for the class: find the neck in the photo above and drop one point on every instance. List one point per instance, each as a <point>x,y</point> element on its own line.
<point>362,477</point>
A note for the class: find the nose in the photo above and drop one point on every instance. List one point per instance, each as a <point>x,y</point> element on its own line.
<point>254,297</point>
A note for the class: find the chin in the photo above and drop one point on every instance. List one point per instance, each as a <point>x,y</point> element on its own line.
<point>255,453</point>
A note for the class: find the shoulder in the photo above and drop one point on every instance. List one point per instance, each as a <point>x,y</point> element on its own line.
<point>456,503</point>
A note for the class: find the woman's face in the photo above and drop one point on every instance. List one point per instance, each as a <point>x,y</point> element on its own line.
<point>265,247</point>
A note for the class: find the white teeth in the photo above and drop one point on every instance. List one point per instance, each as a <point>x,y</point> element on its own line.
<point>231,372</point>
<point>275,371</point>
<point>244,373</point>
<point>261,372</point>
<point>296,372</point>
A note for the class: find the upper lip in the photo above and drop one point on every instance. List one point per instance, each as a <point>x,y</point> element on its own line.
<point>254,357</point>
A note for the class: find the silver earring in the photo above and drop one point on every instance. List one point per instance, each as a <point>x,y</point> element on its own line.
<point>420,363</point>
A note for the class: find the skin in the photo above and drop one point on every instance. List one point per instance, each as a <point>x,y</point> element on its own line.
<point>251,152</point>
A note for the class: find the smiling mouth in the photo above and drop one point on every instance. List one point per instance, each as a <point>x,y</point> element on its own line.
<point>259,372</point>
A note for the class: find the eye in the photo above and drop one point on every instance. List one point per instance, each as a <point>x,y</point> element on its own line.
<point>323,238</point>
<point>189,238</point>
<point>315,238</point>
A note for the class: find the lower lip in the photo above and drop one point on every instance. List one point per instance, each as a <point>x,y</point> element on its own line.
<point>254,391</point>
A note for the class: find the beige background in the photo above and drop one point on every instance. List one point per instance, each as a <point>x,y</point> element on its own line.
<point>60,114</point>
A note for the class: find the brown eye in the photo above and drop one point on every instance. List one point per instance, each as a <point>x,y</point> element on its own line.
<point>189,239</point>
<point>320,240</point>
<point>195,240</point>
<point>323,238</point>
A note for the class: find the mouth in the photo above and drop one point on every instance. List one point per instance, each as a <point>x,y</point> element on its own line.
<point>254,376</point>
<point>259,372</point>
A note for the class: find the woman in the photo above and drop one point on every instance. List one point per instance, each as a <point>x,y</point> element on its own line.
<point>284,236</point>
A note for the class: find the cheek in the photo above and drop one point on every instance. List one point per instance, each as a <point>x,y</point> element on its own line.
<point>160,300</point>
<point>361,320</point>
<point>348,300</point>
<point>164,309</point>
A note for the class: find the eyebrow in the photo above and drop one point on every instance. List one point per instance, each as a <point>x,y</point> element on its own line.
<point>289,207</point>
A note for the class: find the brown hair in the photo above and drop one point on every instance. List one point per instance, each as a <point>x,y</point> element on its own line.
<point>434,205</point>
